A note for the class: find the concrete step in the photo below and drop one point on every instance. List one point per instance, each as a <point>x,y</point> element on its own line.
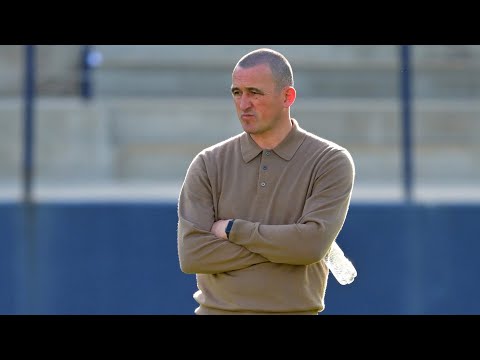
<point>303,56</point>
<point>165,191</point>
<point>57,70</point>
<point>372,71</point>
<point>138,139</point>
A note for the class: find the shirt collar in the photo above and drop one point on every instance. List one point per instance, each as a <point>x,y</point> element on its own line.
<point>286,149</point>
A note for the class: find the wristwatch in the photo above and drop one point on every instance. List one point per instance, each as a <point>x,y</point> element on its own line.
<point>229,227</point>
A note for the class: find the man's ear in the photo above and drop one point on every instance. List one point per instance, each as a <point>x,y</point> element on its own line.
<point>290,96</point>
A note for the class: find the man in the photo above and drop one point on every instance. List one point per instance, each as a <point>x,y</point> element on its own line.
<point>258,212</point>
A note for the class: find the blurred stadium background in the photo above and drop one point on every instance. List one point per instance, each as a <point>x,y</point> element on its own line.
<point>95,141</point>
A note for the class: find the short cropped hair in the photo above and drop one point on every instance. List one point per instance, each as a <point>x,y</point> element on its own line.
<point>278,63</point>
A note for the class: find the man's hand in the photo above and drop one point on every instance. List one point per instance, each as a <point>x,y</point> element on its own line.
<point>218,228</point>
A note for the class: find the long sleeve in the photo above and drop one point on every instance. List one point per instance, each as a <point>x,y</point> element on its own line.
<point>199,250</point>
<point>308,240</point>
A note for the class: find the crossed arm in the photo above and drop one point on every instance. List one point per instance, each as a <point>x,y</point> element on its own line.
<point>203,245</point>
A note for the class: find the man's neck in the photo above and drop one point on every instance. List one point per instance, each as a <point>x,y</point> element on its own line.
<point>271,140</point>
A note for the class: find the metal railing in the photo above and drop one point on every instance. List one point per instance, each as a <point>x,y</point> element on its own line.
<point>406,98</point>
<point>90,59</point>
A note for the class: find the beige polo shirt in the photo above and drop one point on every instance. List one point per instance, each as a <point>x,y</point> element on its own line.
<point>289,203</point>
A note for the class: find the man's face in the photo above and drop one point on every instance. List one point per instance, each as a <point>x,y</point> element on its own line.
<point>258,103</point>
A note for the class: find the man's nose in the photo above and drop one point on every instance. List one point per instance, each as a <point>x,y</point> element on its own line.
<point>244,102</point>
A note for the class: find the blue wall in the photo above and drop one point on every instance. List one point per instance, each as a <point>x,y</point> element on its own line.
<point>121,258</point>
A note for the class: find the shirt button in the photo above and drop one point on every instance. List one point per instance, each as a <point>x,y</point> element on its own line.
<point>267,153</point>
<point>264,167</point>
<point>263,184</point>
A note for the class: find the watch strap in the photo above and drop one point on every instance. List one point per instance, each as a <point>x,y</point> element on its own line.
<point>228,228</point>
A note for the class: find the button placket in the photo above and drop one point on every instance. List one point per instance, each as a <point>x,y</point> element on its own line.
<point>264,168</point>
